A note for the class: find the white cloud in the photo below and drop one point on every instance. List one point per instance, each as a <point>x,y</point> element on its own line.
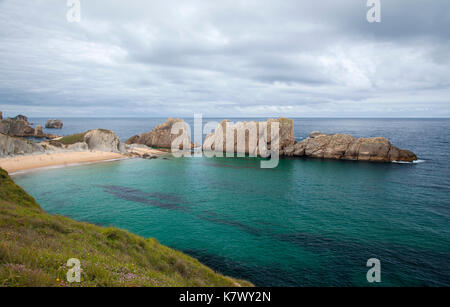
<point>233,58</point>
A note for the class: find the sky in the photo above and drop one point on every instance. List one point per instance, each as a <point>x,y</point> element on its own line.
<point>229,58</point>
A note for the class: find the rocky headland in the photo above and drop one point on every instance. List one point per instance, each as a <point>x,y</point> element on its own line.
<point>20,127</point>
<point>19,154</point>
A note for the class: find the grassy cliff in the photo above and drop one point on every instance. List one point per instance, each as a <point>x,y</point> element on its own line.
<point>35,246</point>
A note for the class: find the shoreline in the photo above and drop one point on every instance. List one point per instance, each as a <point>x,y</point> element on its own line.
<point>27,163</point>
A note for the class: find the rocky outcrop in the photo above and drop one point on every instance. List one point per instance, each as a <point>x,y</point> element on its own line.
<point>16,127</point>
<point>54,124</point>
<point>317,145</point>
<point>104,140</point>
<point>161,136</point>
<point>21,117</point>
<point>38,132</point>
<point>1,115</point>
<point>133,140</point>
<point>10,146</point>
<point>260,130</point>
<point>347,147</point>
<point>20,127</point>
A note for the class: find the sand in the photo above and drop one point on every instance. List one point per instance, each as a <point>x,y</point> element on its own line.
<point>149,151</point>
<point>31,162</point>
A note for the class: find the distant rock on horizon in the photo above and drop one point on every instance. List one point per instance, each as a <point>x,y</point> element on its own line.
<point>54,124</point>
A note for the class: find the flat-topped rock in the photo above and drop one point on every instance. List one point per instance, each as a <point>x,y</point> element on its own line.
<point>347,147</point>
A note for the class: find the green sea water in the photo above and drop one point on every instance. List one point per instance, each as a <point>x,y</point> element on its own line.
<point>304,223</point>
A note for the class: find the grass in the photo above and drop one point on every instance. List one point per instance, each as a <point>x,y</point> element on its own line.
<point>35,247</point>
<point>69,139</point>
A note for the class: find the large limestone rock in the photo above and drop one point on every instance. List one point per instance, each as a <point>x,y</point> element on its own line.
<point>10,146</point>
<point>54,124</point>
<point>104,140</point>
<point>261,131</point>
<point>16,127</point>
<point>161,136</point>
<point>347,147</point>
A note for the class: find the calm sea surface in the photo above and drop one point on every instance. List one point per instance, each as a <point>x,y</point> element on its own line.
<point>304,223</point>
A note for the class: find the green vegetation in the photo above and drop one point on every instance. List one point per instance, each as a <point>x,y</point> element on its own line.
<point>35,247</point>
<point>70,139</point>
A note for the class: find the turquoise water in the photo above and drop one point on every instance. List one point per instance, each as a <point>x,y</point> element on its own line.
<point>305,223</point>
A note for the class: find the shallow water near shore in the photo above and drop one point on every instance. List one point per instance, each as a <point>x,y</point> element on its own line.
<point>305,223</point>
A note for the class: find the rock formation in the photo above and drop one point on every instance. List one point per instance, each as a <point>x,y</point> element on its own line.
<point>261,131</point>
<point>54,124</point>
<point>38,133</point>
<point>347,147</point>
<point>317,145</point>
<point>16,146</point>
<point>104,140</point>
<point>161,136</point>
<point>20,127</point>
<point>1,115</point>
<point>16,127</point>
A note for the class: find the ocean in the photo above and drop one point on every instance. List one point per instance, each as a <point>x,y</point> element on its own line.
<point>305,223</point>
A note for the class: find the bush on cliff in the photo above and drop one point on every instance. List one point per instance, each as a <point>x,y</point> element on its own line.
<point>35,247</point>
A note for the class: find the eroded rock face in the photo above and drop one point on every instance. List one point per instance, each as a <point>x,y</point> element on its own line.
<point>104,140</point>
<point>20,127</point>
<point>16,127</point>
<point>54,124</point>
<point>347,147</point>
<point>161,136</point>
<point>261,131</point>
<point>10,146</point>
<point>38,132</point>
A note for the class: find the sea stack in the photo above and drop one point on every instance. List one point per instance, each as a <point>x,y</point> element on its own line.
<point>251,146</point>
<point>346,147</point>
<point>54,124</point>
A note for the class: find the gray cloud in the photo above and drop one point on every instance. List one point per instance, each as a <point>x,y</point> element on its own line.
<point>229,58</point>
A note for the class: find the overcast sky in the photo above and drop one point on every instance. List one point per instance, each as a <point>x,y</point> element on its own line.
<point>224,58</point>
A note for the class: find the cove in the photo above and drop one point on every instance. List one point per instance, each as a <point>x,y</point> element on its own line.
<point>304,223</point>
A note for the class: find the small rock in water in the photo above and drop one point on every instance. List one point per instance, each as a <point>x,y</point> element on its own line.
<point>54,124</point>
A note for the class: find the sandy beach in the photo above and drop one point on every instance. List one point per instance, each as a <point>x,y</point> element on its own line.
<point>30,162</point>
